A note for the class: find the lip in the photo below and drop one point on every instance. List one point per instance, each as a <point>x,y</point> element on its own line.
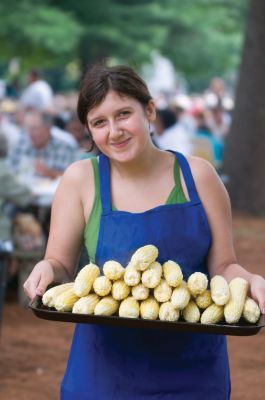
<point>120,145</point>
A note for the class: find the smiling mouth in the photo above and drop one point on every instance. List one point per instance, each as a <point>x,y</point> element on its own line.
<point>120,144</point>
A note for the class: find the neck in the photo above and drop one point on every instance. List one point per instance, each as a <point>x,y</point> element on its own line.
<point>142,165</point>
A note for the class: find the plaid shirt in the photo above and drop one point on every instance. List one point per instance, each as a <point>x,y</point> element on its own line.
<point>56,155</point>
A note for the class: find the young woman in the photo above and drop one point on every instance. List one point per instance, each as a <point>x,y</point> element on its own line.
<point>134,194</point>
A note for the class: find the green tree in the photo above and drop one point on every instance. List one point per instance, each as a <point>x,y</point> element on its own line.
<point>36,32</point>
<point>201,37</point>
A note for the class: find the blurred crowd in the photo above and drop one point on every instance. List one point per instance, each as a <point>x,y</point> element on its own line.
<point>40,135</point>
<point>195,124</point>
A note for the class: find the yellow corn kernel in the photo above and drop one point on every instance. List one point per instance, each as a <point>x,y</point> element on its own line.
<point>238,293</point>
<point>86,305</point>
<point>219,290</point>
<point>120,290</point>
<point>106,306</point>
<point>213,314</point>
<point>102,286</point>
<point>140,292</point>
<point>85,278</point>
<point>163,291</point>
<point>113,270</point>
<point>149,309</point>
<point>151,277</point>
<point>251,311</point>
<point>50,294</point>
<point>197,283</point>
<point>180,296</point>
<point>167,312</point>
<point>129,308</point>
<point>65,300</point>
<point>191,312</point>
<point>131,276</point>
<point>204,300</point>
<point>144,256</point>
<point>172,273</point>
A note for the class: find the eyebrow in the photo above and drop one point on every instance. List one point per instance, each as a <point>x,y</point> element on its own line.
<point>116,112</point>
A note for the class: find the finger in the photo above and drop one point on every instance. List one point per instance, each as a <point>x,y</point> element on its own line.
<point>30,286</point>
<point>42,285</point>
<point>259,297</point>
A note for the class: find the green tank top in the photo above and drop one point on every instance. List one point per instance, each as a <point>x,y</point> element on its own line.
<point>92,227</point>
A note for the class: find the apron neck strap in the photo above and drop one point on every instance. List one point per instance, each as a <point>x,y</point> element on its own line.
<point>185,168</point>
<point>104,175</point>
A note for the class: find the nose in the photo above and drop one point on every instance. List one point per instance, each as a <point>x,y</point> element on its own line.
<point>114,130</point>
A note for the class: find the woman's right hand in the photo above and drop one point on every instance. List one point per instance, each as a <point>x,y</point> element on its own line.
<point>41,276</point>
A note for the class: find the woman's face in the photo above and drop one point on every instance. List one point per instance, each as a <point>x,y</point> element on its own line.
<point>120,126</point>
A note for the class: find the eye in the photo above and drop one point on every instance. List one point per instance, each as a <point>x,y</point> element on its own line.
<point>99,122</point>
<point>124,113</point>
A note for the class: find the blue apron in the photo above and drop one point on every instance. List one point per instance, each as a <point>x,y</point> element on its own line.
<point>109,363</point>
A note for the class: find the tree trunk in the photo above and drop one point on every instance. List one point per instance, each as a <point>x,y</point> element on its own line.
<point>244,161</point>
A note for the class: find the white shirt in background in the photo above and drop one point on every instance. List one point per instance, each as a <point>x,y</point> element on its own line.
<point>175,138</point>
<point>65,136</point>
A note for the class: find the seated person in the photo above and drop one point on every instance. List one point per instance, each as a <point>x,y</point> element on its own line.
<point>48,155</point>
<point>11,191</point>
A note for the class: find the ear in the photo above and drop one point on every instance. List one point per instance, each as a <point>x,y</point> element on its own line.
<point>151,111</point>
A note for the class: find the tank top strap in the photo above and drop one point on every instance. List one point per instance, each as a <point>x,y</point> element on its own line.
<point>104,174</point>
<point>188,178</point>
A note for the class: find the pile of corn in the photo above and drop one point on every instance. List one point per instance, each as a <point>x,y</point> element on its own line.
<point>146,289</point>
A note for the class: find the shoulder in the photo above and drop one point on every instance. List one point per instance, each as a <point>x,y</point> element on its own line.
<point>78,171</point>
<point>201,169</point>
<point>77,183</point>
<point>207,181</point>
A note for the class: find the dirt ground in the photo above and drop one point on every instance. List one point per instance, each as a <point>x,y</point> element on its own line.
<point>33,352</point>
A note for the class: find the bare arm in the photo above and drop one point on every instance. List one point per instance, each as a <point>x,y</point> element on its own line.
<point>222,259</point>
<point>66,233</point>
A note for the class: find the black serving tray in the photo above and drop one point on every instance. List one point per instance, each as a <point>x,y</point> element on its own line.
<point>242,328</point>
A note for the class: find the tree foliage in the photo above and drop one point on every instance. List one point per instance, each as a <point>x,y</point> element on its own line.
<point>201,37</point>
<point>36,32</point>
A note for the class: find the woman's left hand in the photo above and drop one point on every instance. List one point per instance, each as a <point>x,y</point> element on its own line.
<point>257,290</point>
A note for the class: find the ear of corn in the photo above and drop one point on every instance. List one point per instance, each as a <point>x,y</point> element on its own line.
<point>219,290</point>
<point>120,290</point>
<point>167,312</point>
<point>144,256</point>
<point>66,300</point>
<point>106,306</point>
<point>85,278</point>
<point>251,311</point>
<point>129,308</point>
<point>163,292</point>
<point>149,309</point>
<point>50,294</point>
<point>191,313</point>
<point>204,300</point>
<point>113,270</point>
<point>151,277</point>
<point>102,286</point>
<point>131,276</point>
<point>180,296</point>
<point>86,305</point>
<point>140,292</point>
<point>213,314</point>
<point>238,293</point>
<point>197,283</point>
<point>172,273</point>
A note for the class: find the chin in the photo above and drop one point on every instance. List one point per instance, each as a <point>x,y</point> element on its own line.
<point>126,155</point>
